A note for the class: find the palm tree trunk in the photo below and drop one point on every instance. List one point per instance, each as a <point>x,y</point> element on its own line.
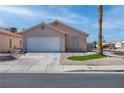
<point>100,51</point>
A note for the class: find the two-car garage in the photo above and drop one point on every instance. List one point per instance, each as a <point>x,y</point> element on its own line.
<point>49,44</point>
<point>43,38</point>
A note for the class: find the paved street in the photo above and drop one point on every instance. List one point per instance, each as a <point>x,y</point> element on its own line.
<point>9,80</point>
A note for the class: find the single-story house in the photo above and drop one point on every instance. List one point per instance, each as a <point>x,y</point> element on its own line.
<point>54,37</point>
<point>9,39</point>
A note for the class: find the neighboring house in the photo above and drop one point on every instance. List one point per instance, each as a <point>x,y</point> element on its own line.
<point>119,44</point>
<point>9,39</point>
<point>54,37</point>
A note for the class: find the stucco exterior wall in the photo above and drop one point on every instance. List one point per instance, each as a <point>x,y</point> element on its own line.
<point>5,42</point>
<point>70,34</point>
<point>46,32</point>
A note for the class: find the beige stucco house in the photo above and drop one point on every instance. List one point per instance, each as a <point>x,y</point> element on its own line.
<point>54,37</point>
<point>9,39</point>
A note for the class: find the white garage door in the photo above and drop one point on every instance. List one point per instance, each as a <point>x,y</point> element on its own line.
<point>43,44</point>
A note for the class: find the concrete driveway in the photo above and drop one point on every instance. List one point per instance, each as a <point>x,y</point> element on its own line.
<point>33,63</point>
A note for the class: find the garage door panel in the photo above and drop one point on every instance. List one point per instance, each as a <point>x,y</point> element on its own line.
<point>43,44</point>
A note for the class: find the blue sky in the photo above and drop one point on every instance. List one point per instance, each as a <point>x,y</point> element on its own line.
<point>81,17</point>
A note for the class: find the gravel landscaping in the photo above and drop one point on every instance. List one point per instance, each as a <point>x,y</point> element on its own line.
<point>108,61</point>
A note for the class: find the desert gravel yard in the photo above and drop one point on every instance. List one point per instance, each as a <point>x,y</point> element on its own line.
<point>107,61</point>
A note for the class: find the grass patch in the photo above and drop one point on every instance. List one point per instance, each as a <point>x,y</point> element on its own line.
<point>86,57</point>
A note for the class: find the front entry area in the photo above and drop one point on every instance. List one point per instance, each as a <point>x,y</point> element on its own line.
<point>45,44</point>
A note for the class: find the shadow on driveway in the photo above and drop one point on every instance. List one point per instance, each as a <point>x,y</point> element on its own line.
<point>7,57</point>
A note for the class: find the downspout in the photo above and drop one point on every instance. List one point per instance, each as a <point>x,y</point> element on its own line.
<point>65,42</point>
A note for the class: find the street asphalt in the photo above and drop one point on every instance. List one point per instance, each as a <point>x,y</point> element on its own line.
<point>47,80</point>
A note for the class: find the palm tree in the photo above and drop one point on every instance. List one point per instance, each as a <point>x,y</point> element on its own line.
<point>100,51</point>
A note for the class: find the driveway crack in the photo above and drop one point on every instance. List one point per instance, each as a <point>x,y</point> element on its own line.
<point>46,69</point>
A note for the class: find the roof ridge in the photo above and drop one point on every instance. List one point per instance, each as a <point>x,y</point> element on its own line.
<point>41,24</point>
<point>57,29</point>
<point>32,27</point>
<point>68,26</point>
